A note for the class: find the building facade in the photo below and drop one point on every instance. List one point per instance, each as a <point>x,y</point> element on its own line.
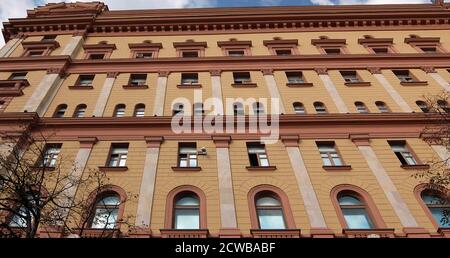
<point>349,84</point>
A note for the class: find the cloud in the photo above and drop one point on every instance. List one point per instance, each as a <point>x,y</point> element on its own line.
<point>270,2</point>
<point>353,2</point>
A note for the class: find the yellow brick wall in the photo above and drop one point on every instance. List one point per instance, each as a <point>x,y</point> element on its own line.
<point>282,177</point>
<point>131,97</point>
<point>34,78</point>
<point>77,96</point>
<point>167,180</point>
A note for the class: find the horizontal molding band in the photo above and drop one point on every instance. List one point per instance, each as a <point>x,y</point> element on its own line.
<point>66,64</point>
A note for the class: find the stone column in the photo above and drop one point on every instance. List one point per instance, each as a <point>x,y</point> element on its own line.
<point>441,81</point>
<point>160,96</point>
<point>44,93</point>
<point>400,207</point>
<point>391,90</point>
<point>316,219</point>
<point>331,89</point>
<point>441,151</point>
<point>217,92</point>
<point>10,46</point>
<point>273,88</point>
<point>227,207</point>
<point>74,45</point>
<point>145,202</point>
<point>104,94</point>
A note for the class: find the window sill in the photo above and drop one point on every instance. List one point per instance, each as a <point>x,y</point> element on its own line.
<point>189,86</point>
<point>186,169</point>
<point>369,233</point>
<point>357,84</point>
<point>36,168</point>
<point>416,83</point>
<point>275,233</point>
<point>333,168</point>
<point>79,87</point>
<point>11,92</point>
<point>260,168</point>
<point>244,85</point>
<point>135,87</point>
<point>113,169</point>
<point>184,233</point>
<point>98,232</point>
<point>418,166</point>
<point>299,85</point>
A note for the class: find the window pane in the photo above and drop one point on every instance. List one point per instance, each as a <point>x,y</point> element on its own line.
<point>357,219</point>
<point>267,201</point>
<point>110,200</point>
<point>104,218</point>
<point>271,219</point>
<point>432,199</point>
<point>187,219</point>
<point>189,200</point>
<point>349,200</point>
<point>438,214</point>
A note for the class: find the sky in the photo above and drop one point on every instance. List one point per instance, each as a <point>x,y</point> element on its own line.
<point>17,8</point>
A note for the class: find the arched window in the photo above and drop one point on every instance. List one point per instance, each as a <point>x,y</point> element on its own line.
<point>106,211</point>
<point>438,207</point>
<point>299,108</point>
<point>80,111</point>
<point>22,214</point>
<point>269,211</point>
<point>139,110</point>
<point>238,109</point>
<point>361,107</point>
<point>443,105</point>
<point>60,111</point>
<point>423,106</point>
<point>382,107</point>
<point>269,208</point>
<point>186,211</point>
<point>119,111</point>
<point>354,210</point>
<point>320,108</point>
<point>178,108</point>
<point>258,108</point>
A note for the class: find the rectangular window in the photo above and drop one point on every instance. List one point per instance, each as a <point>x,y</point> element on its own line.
<point>36,53</point>
<point>187,154</point>
<point>189,54</point>
<point>380,50</point>
<point>402,152</point>
<point>242,77</point>
<point>236,53</point>
<point>403,75</point>
<point>295,77</point>
<point>429,49</point>
<point>257,154</point>
<point>144,55</point>
<point>138,79</point>
<point>189,78</point>
<point>350,76</point>
<point>85,80</point>
<point>96,56</point>
<point>48,38</point>
<point>18,76</point>
<point>50,155</point>
<point>332,51</point>
<point>283,52</point>
<point>329,154</point>
<point>118,155</point>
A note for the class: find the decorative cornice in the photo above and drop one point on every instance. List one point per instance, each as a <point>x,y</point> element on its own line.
<point>428,69</point>
<point>290,140</point>
<point>321,70</point>
<point>422,40</point>
<point>244,43</point>
<point>280,42</point>
<point>376,41</point>
<point>374,70</point>
<point>220,20</point>
<point>112,75</point>
<point>40,44</point>
<point>225,63</point>
<point>99,46</point>
<point>267,71</point>
<point>360,139</point>
<point>163,73</point>
<point>190,44</point>
<point>87,142</point>
<point>154,141</point>
<point>215,72</point>
<point>145,45</point>
<point>221,141</point>
<point>317,42</point>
